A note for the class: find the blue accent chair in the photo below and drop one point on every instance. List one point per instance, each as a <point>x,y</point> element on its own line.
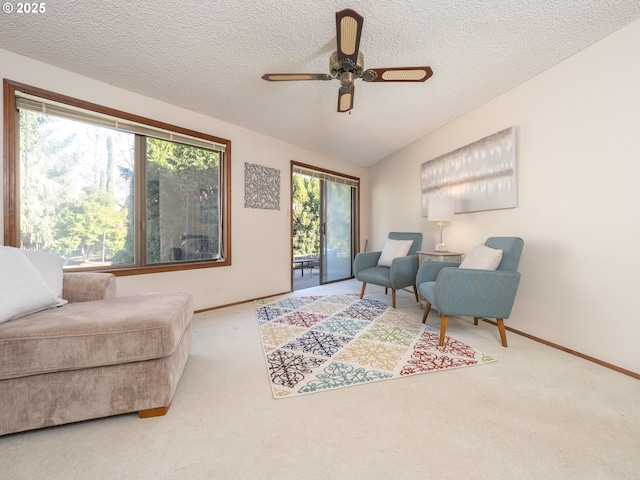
<point>401,274</point>
<point>470,292</point>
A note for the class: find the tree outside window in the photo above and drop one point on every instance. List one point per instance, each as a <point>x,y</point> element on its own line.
<point>106,198</point>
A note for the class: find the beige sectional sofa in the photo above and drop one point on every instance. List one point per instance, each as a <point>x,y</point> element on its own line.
<point>96,356</point>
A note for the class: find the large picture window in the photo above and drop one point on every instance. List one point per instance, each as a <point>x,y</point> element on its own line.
<point>112,191</point>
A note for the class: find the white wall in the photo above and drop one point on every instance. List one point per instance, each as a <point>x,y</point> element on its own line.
<point>261,256</point>
<point>578,160</point>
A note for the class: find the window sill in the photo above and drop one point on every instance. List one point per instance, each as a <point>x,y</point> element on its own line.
<point>125,271</point>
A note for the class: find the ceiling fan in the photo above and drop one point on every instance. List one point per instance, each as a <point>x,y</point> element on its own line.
<point>347,63</point>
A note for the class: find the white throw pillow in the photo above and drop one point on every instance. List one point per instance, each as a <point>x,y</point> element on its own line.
<point>482,258</point>
<point>22,288</point>
<point>49,266</point>
<point>393,249</point>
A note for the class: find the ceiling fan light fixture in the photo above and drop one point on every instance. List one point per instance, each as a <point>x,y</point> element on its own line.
<point>346,79</point>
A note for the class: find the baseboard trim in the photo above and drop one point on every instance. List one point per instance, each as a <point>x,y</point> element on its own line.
<point>572,352</point>
<point>238,303</point>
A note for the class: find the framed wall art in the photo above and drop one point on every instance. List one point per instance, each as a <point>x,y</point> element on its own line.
<point>261,187</point>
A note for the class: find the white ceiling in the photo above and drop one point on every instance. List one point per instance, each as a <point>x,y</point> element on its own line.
<point>209,56</point>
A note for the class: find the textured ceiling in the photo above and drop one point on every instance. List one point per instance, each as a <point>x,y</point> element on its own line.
<point>209,56</point>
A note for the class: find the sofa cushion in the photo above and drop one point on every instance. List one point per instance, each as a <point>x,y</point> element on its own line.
<point>94,334</point>
<point>22,289</point>
<point>49,267</point>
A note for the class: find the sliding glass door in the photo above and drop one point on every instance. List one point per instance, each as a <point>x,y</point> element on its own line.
<point>324,215</point>
<point>337,232</point>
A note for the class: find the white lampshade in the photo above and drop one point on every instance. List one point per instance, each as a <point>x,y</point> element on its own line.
<point>441,209</point>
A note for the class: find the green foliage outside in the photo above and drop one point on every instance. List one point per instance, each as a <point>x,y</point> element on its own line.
<point>91,225</point>
<point>182,197</point>
<point>76,191</point>
<point>306,215</point>
<point>43,185</point>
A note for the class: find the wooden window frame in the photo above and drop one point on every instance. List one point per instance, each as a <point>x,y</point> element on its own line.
<point>11,166</point>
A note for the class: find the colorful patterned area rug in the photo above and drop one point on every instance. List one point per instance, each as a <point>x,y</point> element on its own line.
<point>319,343</point>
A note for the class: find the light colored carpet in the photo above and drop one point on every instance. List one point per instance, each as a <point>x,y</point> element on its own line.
<point>317,343</point>
<point>536,413</point>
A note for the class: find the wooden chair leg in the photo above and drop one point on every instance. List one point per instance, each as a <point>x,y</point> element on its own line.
<point>393,297</point>
<point>364,285</point>
<point>475,320</point>
<point>415,290</point>
<point>443,329</point>
<point>503,333</point>
<point>427,307</point>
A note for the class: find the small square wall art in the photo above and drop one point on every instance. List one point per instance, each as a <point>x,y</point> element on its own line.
<point>261,187</point>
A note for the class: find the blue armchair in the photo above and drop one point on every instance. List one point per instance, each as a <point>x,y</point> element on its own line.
<point>472,292</point>
<point>402,272</point>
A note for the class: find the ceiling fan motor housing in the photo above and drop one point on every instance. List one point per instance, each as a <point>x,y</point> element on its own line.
<point>346,66</point>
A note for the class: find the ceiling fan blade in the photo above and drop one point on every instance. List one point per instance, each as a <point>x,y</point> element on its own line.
<point>345,98</point>
<point>349,28</point>
<point>287,77</point>
<point>399,74</point>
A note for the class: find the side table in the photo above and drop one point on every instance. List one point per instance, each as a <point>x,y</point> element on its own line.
<point>440,256</point>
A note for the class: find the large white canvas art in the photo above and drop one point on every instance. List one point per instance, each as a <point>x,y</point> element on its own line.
<point>480,176</point>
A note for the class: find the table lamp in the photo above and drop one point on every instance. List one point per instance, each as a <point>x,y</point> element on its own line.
<point>441,209</point>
